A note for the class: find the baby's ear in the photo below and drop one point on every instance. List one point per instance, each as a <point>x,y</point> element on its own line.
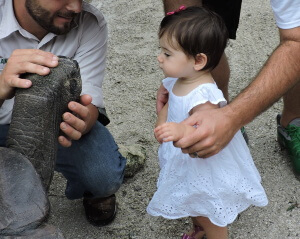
<point>200,61</point>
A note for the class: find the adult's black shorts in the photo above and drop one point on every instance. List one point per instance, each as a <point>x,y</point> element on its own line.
<point>229,10</point>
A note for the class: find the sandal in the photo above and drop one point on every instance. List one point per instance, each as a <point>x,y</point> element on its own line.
<point>196,230</point>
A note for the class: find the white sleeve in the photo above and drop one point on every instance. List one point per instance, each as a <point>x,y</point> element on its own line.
<point>204,94</point>
<point>91,57</point>
<point>169,82</point>
<point>287,13</point>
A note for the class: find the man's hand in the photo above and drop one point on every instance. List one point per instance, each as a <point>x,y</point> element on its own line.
<point>215,128</point>
<point>22,61</point>
<point>161,98</point>
<point>79,122</point>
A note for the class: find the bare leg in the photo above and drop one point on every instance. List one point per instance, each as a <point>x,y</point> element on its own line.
<point>291,109</point>
<point>200,234</point>
<point>212,231</point>
<point>221,75</point>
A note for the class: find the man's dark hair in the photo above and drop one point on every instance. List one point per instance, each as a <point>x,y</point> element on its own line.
<point>197,30</point>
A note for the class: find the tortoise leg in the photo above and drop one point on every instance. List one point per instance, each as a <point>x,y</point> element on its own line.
<point>45,232</point>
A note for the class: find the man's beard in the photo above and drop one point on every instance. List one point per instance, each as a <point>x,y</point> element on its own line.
<point>46,20</point>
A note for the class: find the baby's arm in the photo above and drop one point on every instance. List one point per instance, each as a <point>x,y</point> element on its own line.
<point>171,131</point>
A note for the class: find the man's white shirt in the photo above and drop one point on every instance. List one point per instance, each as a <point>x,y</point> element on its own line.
<point>86,43</point>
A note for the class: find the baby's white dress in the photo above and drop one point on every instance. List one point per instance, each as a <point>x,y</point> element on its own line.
<point>219,187</point>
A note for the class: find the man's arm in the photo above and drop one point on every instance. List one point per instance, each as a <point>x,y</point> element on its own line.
<point>280,73</point>
<point>162,97</point>
<point>161,119</point>
<point>217,127</point>
<point>162,115</point>
<point>91,57</point>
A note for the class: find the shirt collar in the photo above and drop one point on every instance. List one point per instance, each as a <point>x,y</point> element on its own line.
<point>9,23</point>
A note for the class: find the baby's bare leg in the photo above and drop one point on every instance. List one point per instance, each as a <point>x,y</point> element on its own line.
<point>211,231</point>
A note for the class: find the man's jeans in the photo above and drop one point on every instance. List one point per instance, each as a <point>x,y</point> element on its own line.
<point>92,165</point>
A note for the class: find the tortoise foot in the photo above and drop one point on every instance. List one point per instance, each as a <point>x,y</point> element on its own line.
<point>45,232</point>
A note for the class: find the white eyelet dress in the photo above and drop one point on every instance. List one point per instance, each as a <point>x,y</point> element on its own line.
<point>219,187</point>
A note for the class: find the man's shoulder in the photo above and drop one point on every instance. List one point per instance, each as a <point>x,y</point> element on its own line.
<point>90,9</point>
<point>2,3</point>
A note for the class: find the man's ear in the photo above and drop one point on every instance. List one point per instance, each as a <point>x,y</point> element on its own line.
<point>200,61</point>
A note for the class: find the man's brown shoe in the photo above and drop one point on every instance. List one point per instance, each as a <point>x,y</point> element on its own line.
<point>100,211</point>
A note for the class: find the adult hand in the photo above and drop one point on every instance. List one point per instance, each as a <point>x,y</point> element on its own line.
<point>22,61</point>
<point>161,98</point>
<point>215,128</point>
<point>80,121</point>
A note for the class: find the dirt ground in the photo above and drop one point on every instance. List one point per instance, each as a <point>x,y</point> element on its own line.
<point>130,89</point>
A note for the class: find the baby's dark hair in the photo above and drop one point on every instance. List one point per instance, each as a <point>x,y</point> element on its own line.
<point>197,30</point>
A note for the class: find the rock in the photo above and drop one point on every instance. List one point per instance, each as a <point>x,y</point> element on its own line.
<point>136,157</point>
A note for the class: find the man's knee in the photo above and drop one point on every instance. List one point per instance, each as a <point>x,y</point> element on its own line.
<point>101,186</point>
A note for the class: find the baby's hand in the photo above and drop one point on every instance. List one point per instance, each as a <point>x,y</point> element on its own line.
<point>157,135</point>
<point>168,132</point>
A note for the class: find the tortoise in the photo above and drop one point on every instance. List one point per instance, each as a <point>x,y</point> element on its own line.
<point>27,163</point>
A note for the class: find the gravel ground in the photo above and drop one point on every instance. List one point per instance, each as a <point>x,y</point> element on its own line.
<point>130,89</point>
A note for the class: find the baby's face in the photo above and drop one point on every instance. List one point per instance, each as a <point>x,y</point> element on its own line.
<point>173,61</point>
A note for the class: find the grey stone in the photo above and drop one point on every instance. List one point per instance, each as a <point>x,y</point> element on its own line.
<point>136,157</point>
